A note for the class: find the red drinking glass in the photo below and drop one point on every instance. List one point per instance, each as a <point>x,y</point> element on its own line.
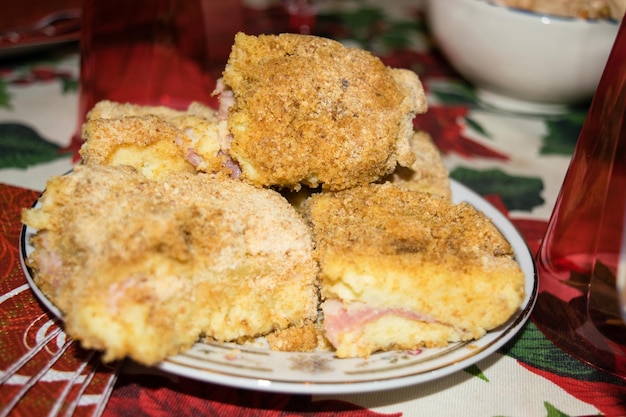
<point>578,305</point>
<point>159,52</point>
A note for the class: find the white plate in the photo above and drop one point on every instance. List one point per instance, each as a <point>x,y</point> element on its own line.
<point>257,367</point>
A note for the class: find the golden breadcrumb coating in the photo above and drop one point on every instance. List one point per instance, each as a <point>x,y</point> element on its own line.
<point>147,143</point>
<point>295,339</point>
<point>143,268</point>
<point>306,338</point>
<point>309,111</point>
<point>156,140</point>
<point>441,271</point>
<point>106,109</point>
<point>428,173</point>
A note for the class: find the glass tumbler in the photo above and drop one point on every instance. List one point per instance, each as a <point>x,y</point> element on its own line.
<point>157,52</point>
<point>579,260</point>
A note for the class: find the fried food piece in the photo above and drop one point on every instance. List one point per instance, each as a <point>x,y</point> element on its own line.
<point>308,111</point>
<point>295,339</point>
<point>306,338</point>
<point>147,143</point>
<point>402,269</point>
<point>201,143</point>
<point>156,140</point>
<point>428,173</point>
<point>143,268</point>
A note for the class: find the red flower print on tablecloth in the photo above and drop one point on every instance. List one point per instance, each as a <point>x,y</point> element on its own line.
<point>445,126</point>
<point>609,398</point>
<point>153,396</point>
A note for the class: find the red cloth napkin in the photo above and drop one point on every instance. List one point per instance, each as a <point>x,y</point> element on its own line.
<point>41,370</point>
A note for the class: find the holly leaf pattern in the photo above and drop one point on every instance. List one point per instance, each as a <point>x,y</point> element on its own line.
<point>69,84</point>
<point>542,357</point>
<point>454,92</point>
<point>371,29</point>
<point>534,349</point>
<point>398,35</point>
<point>553,411</point>
<point>563,133</point>
<point>477,372</point>
<point>517,193</point>
<point>21,147</point>
<point>5,97</point>
<point>477,127</point>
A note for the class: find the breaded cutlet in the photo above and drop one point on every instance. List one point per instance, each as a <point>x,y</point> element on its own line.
<point>143,268</point>
<point>308,111</point>
<point>402,269</point>
<point>156,140</point>
<point>428,173</point>
<point>147,143</point>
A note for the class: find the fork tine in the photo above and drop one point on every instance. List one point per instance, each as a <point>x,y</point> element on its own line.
<point>34,379</point>
<point>75,402</point>
<point>68,388</point>
<point>106,394</point>
<point>62,400</point>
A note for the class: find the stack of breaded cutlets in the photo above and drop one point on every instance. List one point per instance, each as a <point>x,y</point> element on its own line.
<point>306,209</point>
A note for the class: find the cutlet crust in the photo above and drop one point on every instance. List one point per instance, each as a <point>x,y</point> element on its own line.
<point>155,140</point>
<point>444,265</point>
<point>147,143</point>
<point>310,111</point>
<point>107,109</point>
<point>428,173</point>
<point>143,268</point>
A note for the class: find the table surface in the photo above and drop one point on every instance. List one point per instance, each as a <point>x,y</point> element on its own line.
<point>517,162</point>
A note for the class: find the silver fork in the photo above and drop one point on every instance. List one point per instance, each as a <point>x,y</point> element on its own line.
<point>64,404</point>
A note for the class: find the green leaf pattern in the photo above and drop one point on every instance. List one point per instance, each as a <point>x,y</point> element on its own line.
<point>563,133</point>
<point>5,96</point>
<point>21,147</point>
<point>477,372</point>
<point>517,193</point>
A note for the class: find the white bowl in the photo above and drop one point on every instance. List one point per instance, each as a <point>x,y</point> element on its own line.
<point>519,60</point>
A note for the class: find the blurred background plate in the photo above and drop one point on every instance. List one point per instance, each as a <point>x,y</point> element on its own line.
<point>30,25</point>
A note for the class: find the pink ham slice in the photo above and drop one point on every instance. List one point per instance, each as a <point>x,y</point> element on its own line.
<point>226,100</point>
<point>340,318</point>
